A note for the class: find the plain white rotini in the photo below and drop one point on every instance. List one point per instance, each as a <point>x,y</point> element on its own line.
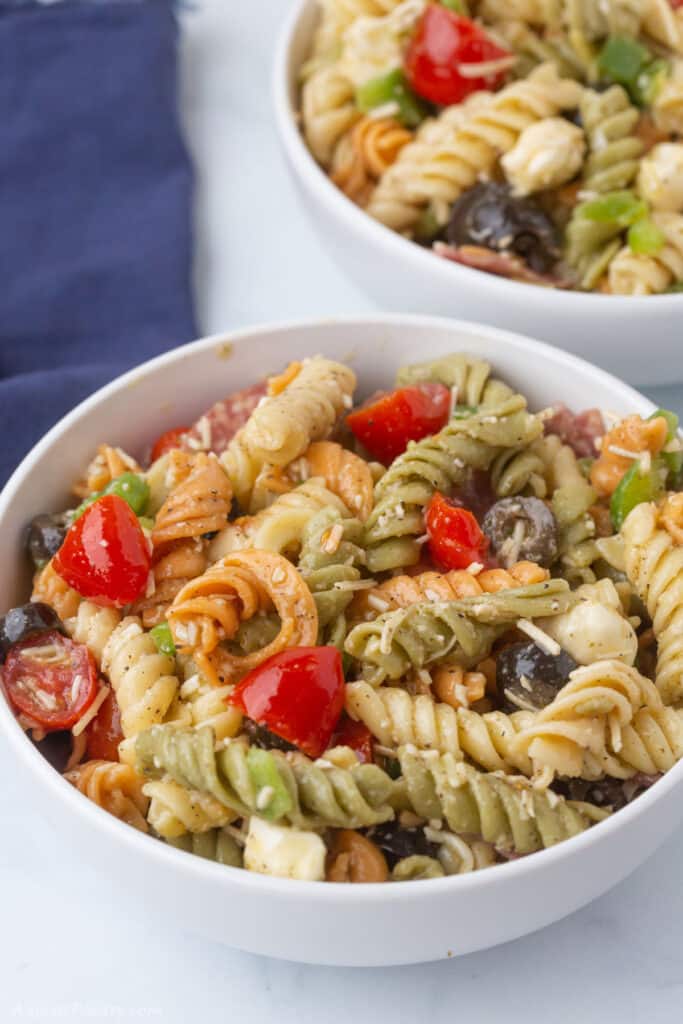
<point>93,625</point>
<point>328,110</point>
<point>175,810</point>
<point>208,706</point>
<point>373,46</point>
<point>337,15</point>
<point>435,171</point>
<point>282,427</point>
<point>654,565</point>
<point>588,718</point>
<point>667,108</point>
<point>664,24</point>
<point>279,527</point>
<point>143,679</point>
<point>633,273</point>
<point>395,717</point>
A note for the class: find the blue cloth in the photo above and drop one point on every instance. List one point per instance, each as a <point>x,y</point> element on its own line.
<point>95,193</point>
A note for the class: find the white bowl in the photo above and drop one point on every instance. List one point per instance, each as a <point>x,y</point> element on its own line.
<point>308,921</point>
<point>636,338</point>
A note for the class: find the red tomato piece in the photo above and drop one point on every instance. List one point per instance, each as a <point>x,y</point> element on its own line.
<point>51,679</point>
<point>169,440</point>
<point>455,537</point>
<point>104,732</point>
<point>386,424</point>
<point>298,694</point>
<point>219,424</point>
<point>105,556</point>
<point>355,735</point>
<point>441,60</point>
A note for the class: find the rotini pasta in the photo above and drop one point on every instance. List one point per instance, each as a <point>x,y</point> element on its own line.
<point>632,273</point>
<point>114,787</point>
<point>143,679</point>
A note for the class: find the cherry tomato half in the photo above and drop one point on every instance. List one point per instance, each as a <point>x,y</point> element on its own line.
<point>455,537</point>
<point>169,440</point>
<point>298,694</point>
<point>104,732</point>
<point>386,424</point>
<point>443,43</point>
<point>51,679</point>
<point>355,735</point>
<point>105,555</point>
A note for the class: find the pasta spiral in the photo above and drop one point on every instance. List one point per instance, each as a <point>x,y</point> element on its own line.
<point>93,625</point>
<point>114,787</point>
<point>279,527</point>
<point>108,463</point>
<point>199,504</point>
<point>462,631</point>
<point>175,810</point>
<point>171,571</point>
<point>610,121</point>
<point>209,609</point>
<point>216,844</point>
<point>143,679</point>
<point>328,111</point>
<point>207,705</point>
<point>508,813</point>
<point>50,588</point>
<point>282,427</point>
<point>330,555</point>
<point>633,273</point>
<point>437,171</point>
<point>654,565</point>
<point>321,796</point>
<point>588,714</point>
<point>438,463</point>
<point>396,718</point>
<point>345,474</point>
<point>365,153</point>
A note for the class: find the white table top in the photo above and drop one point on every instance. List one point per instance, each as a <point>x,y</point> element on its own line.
<point>69,951</point>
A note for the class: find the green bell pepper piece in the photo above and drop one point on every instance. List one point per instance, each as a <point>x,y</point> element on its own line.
<point>163,638</point>
<point>635,487</point>
<point>392,88</point>
<point>672,460</point>
<point>645,237</point>
<point>267,781</point>
<point>620,208</point>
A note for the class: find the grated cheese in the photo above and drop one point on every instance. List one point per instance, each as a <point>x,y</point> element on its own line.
<point>540,638</point>
<point>87,718</point>
<point>483,68</point>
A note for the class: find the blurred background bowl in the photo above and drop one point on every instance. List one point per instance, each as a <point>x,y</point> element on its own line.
<point>636,338</point>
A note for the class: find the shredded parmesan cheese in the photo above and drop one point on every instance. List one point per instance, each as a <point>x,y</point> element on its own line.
<point>540,638</point>
<point>85,719</point>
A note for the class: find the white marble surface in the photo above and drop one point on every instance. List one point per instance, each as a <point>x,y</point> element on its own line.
<point>68,950</point>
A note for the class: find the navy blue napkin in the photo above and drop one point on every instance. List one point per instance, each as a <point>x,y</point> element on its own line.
<point>95,194</point>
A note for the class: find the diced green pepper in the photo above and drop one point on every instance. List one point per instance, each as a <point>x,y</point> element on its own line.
<point>636,486</point>
<point>392,88</point>
<point>461,412</point>
<point>272,796</point>
<point>146,523</point>
<point>459,6</point>
<point>645,238</point>
<point>163,638</point>
<point>672,460</point>
<point>133,489</point>
<point>650,81</point>
<point>622,59</point>
<point>78,512</point>
<point>621,208</point>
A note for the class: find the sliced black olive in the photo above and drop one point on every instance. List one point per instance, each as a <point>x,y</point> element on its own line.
<point>489,215</point>
<point>608,792</point>
<point>397,842</point>
<point>44,538</point>
<point>28,620</point>
<point>522,528</point>
<point>259,736</point>
<point>57,748</point>
<point>527,677</point>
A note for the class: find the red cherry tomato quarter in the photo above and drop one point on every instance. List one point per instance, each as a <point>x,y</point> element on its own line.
<point>455,537</point>
<point>167,442</point>
<point>298,694</point>
<point>386,424</point>
<point>104,732</point>
<point>442,58</point>
<point>355,735</point>
<point>50,679</point>
<point>105,556</point>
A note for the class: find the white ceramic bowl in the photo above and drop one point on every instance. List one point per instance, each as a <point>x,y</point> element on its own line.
<point>636,338</point>
<point>308,921</point>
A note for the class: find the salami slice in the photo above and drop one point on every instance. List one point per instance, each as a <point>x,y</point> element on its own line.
<point>219,424</point>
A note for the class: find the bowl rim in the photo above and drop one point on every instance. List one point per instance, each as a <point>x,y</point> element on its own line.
<point>192,866</point>
<point>394,245</point>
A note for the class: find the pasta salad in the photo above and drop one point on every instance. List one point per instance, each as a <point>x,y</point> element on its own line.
<point>539,141</point>
<point>373,641</point>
